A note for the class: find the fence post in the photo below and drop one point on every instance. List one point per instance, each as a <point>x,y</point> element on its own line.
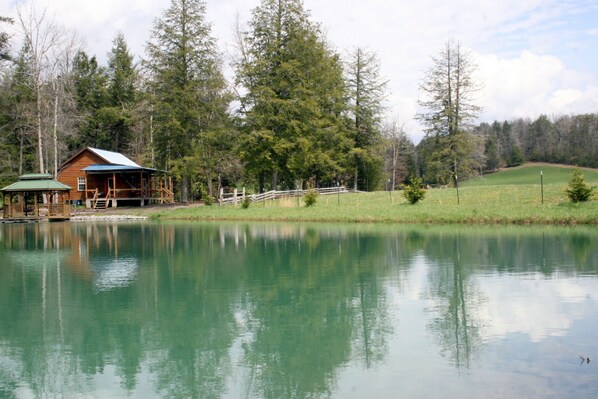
<point>235,196</point>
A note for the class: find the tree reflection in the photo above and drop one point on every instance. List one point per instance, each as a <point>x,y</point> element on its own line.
<point>301,334</point>
<point>284,308</point>
<point>456,325</point>
<point>303,301</point>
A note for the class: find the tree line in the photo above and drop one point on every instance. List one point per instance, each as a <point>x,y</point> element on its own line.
<point>296,113</point>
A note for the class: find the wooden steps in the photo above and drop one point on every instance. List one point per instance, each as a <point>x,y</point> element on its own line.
<point>101,204</point>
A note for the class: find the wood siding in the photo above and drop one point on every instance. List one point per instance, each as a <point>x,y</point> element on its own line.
<point>72,170</point>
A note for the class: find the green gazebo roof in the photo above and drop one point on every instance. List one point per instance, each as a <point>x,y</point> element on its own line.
<point>36,182</point>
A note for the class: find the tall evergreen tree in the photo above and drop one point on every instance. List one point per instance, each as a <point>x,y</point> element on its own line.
<point>188,87</point>
<point>295,100</point>
<point>366,90</point>
<point>89,82</point>
<point>491,148</point>
<point>449,102</point>
<point>18,125</point>
<point>121,92</point>
<point>540,140</point>
<point>4,40</point>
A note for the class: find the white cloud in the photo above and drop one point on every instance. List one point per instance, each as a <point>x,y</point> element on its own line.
<point>531,84</point>
<point>537,307</point>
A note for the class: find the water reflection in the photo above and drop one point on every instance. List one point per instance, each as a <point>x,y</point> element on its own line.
<point>278,311</point>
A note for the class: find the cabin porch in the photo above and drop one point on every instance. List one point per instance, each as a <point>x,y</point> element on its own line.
<point>126,188</point>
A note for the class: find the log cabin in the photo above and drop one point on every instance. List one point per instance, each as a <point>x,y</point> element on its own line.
<point>102,179</point>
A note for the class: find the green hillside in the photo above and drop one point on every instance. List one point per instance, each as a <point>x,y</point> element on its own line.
<point>530,174</point>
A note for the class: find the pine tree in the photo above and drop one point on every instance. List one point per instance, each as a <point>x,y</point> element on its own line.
<point>578,190</point>
<point>4,40</point>
<point>295,98</point>
<point>18,116</point>
<point>366,90</point>
<point>449,101</point>
<point>121,94</point>
<point>189,91</point>
<point>89,81</point>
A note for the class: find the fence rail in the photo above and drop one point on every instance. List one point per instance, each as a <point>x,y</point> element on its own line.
<point>238,196</point>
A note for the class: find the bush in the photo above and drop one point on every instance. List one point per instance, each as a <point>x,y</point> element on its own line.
<point>578,190</point>
<point>208,200</point>
<point>414,191</point>
<point>246,202</point>
<point>310,197</point>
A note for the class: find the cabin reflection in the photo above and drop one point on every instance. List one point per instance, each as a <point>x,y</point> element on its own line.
<point>92,251</point>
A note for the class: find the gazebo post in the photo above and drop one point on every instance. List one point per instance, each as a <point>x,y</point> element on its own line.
<point>36,205</point>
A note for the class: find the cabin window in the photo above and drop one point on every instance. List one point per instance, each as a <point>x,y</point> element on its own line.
<point>80,183</point>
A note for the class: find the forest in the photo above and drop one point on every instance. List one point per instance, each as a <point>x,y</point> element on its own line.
<point>295,113</point>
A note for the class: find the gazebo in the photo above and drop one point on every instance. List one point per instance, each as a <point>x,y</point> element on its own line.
<point>36,196</point>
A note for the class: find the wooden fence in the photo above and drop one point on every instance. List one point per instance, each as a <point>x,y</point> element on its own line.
<point>237,196</point>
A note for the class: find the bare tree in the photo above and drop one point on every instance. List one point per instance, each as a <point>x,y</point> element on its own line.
<point>43,37</point>
<point>398,150</point>
<point>63,103</point>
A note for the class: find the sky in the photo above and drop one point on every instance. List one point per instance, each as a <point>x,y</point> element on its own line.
<point>534,56</point>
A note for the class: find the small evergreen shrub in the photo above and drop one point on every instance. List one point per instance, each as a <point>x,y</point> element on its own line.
<point>310,197</point>
<point>246,202</point>
<point>414,191</point>
<point>578,190</point>
<point>208,200</point>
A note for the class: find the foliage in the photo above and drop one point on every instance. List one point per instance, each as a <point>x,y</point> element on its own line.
<point>104,98</point>
<point>449,92</point>
<point>414,191</point>
<point>246,202</point>
<point>304,115</point>
<point>18,137</point>
<point>491,150</point>
<point>188,89</point>
<point>310,198</point>
<point>578,190</point>
<point>449,102</point>
<point>398,152</point>
<point>208,200</point>
<point>294,98</point>
<point>4,40</point>
<point>516,157</point>
<point>564,139</point>
<point>444,157</point>
<point>366,90</point>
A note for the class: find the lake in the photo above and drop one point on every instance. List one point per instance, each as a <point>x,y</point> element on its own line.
<point>225,310</point>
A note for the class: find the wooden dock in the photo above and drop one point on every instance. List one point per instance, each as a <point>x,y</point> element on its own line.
<point>19,220</point>
<point>34,219</point>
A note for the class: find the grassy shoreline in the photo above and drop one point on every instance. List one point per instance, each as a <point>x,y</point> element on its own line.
<point>478,205</point>
<point>513,196</point>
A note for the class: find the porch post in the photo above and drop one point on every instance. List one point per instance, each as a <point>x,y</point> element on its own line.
<point>114,189</point>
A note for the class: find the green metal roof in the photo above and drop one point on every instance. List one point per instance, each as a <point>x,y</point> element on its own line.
<point>43,182</point>
<point>36,176</point>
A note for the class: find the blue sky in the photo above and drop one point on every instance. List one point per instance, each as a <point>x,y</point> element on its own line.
<point>534,56</point>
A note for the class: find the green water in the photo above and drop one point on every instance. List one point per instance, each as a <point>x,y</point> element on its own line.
<point>297,311</point>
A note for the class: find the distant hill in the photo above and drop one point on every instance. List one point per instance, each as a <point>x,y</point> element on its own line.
<point>530,174</point>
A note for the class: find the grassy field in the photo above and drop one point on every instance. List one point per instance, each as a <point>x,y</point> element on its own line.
<point>530,174</point>
<point>492,199</point>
